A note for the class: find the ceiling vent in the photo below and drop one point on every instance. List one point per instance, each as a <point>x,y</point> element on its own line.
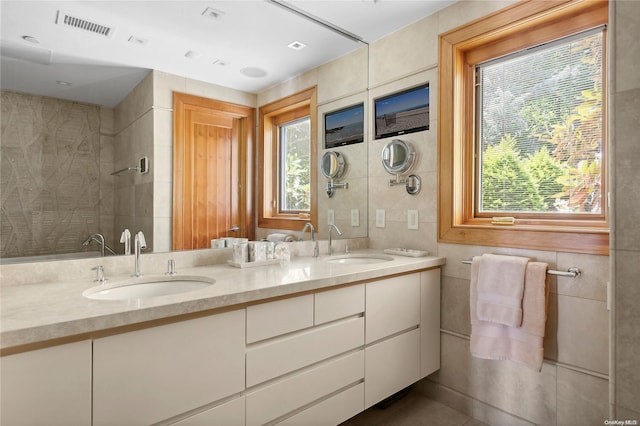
<point>68,20</point>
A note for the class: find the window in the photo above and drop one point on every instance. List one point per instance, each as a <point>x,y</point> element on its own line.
<point>522,130</point>
<point>294,166</point>
<point>287,161</point>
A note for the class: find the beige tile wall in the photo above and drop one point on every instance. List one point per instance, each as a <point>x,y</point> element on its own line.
<point>56,190</point>
<point>340,83</point>
<point>572,387</point>
<point>626,208</point>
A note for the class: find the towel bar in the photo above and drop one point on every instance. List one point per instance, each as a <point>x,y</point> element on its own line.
<point>572,272</point>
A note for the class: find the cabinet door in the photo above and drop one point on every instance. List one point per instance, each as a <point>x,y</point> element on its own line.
<point>392,306</point>
<point>49,386</point>
<point>149,375</point>
<point>391,365</point>
<point>429,322</point>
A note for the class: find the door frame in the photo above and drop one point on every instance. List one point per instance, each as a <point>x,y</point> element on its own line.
<point>245,117</point>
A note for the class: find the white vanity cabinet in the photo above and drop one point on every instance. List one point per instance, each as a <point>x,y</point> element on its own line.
<point>50,386</point>
<point>429,321</point>
<point>315,360</point>
<point>392,335</point>
<point>150,375</point>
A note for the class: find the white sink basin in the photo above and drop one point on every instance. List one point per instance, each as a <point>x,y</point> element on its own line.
<point>359,259</point>
<point>145,287</point>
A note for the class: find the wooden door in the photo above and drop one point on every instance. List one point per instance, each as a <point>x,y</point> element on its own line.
<point>211,171</point>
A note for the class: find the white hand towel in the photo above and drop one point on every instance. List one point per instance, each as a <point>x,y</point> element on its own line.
<point>500,288</point>
<point>519,344</point>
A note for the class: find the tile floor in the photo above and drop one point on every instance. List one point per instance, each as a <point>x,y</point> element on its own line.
<point>413,410</point>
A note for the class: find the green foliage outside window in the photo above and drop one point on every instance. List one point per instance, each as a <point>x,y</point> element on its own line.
<point>295,166</point>
<point>541,130</point>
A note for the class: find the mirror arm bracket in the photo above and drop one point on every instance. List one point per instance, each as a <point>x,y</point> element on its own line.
<point>331,186</point>
<point>412,183</point>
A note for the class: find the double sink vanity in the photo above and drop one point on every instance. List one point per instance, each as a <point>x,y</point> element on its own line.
<point>310,341</point>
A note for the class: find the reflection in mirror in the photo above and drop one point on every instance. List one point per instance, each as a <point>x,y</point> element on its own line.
<point>333,164</point>
<point>134,124</point>
<point>347,209</point>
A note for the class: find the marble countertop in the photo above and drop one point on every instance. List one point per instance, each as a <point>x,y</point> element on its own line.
<point>33,313</point>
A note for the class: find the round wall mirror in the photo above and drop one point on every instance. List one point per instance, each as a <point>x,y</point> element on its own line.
<point>332,164</point>
<point>397,157</point>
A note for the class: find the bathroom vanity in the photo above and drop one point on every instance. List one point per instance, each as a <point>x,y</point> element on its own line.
<point>280,344</point>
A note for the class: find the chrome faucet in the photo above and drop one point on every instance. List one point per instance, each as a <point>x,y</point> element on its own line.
<point>140,244</point>
<point>316,248</point>
<point>99,238</point>
<point>332,226</point>
<point>313,230</point>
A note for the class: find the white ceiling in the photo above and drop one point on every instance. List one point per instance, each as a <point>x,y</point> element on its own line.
<point>250,33</point>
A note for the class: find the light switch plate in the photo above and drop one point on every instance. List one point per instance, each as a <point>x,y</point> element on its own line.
<point>412,219</point>
<point>331,217</point>
<point>355,217</point>
<point>380,218</point>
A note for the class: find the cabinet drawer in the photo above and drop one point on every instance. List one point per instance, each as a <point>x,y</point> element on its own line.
<point>341,303</point>
<point>149,375</point>
<point>393,305</point>
<point>332,411</point>
<point>289,394</point>
<point>230,413</point>
<point>268,360</point>
<point>275,318</point>
<point>391,365</point>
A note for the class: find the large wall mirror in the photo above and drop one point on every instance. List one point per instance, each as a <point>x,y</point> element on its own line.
<point>42,76</point>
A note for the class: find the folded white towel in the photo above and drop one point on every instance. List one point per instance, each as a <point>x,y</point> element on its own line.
<point>500,288</point>
<point>519,344</point>
<point>280,237</point>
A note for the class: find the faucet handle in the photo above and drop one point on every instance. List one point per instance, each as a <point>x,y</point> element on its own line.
<point>171,267</point>
<point>100,274</point>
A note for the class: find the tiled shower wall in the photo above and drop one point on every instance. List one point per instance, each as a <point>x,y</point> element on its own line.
<point>626,209</point>
<point>56,188</point>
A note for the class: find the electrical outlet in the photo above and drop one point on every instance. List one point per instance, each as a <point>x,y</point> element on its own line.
<point>412,219</point>
<point>380,218</point>
<point>331,217</point>
<point>355,217</point>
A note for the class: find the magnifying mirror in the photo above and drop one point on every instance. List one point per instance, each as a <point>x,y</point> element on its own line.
<point>332,164</point>
<point>397,158</point>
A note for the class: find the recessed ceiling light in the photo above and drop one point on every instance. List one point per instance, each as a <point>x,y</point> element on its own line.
<point>253,72</point>
<point>296,45</point>
<point>137,40</point>
<point>63,83</point>
<point>30,39</point>
<point>212,13</point>
<point>192,54</point>
<point>220,63</point>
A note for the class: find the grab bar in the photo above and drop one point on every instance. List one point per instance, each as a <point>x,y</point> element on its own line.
<point>572,272</point>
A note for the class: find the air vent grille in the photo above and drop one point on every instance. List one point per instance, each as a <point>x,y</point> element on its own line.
<point>69,20</point>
